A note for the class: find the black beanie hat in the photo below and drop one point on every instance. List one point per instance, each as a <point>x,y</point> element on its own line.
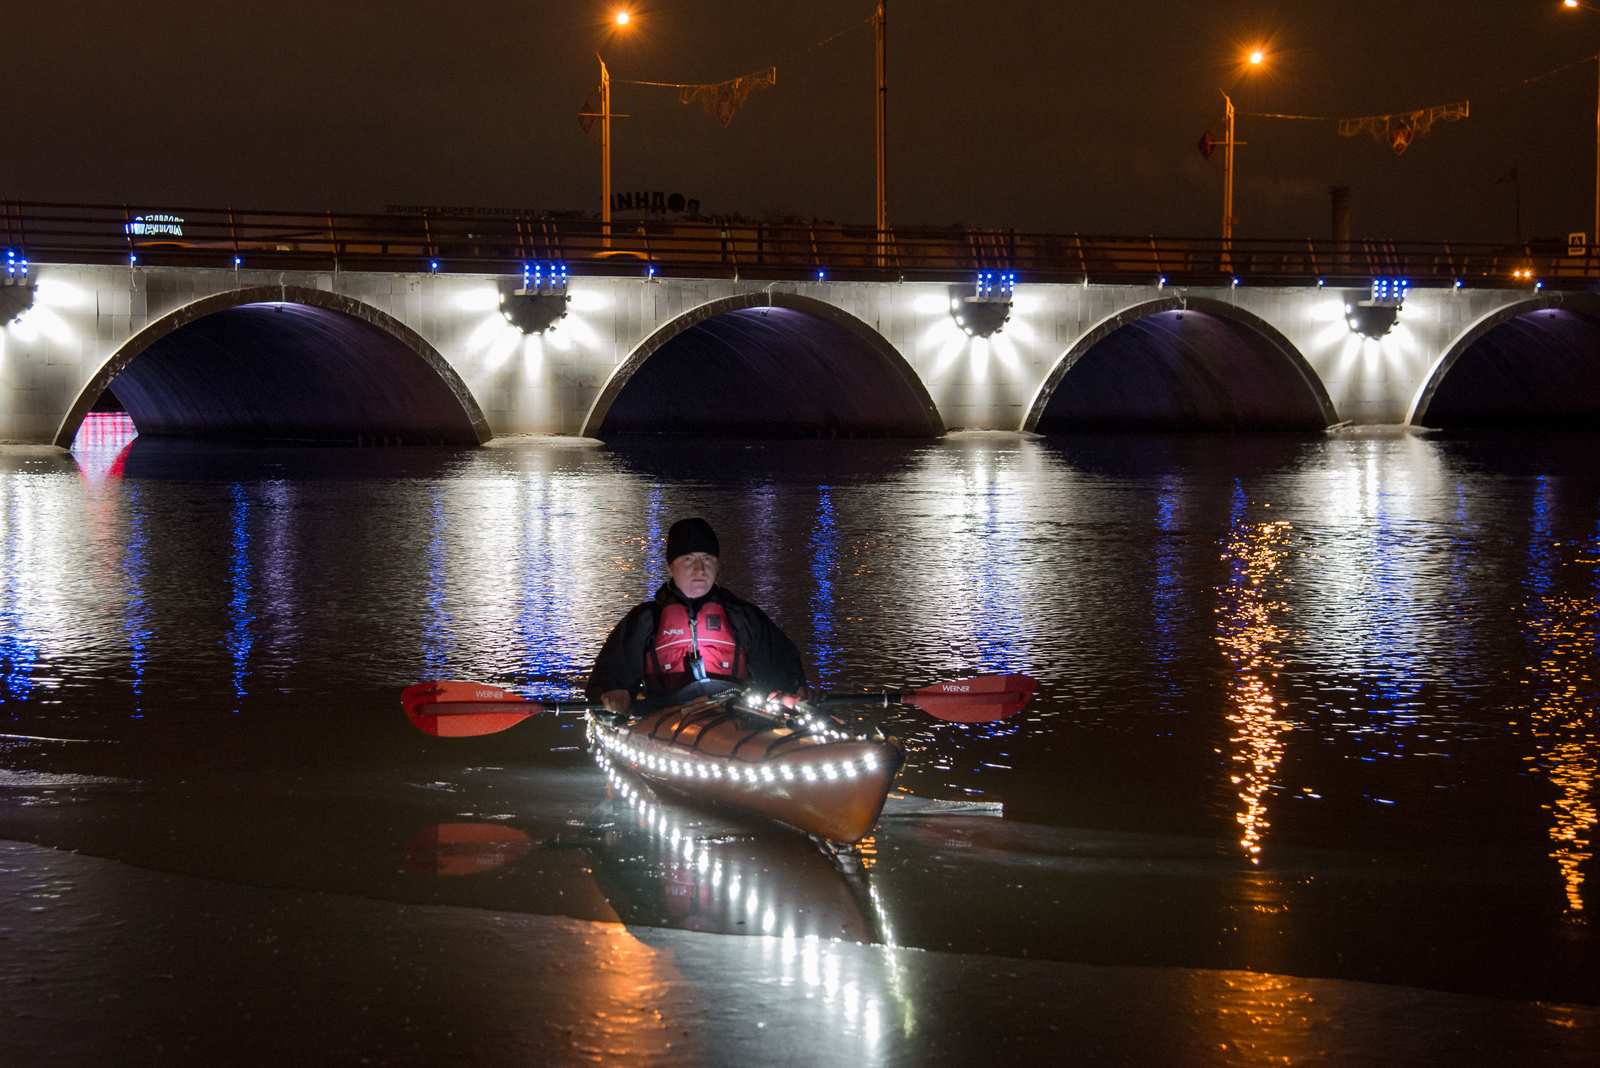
<point>691,536</point>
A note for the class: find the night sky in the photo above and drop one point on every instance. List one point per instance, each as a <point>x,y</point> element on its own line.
<point>1038,115</point>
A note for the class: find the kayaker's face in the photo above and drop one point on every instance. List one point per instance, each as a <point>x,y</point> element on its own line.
<point>694,574</point>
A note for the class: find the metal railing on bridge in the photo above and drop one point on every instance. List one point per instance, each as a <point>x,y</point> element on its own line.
<point>489,242</point>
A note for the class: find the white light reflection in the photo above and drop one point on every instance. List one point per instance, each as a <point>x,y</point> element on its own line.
<point>854,990</point>
<point>504,344</point>
<point>486,298</point>
<point>488,331</point>
<point>587,300</point>
<point>57,293</point>
<point>1249,635</point>
<point>39,321</point>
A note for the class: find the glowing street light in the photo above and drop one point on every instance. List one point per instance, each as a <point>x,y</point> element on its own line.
<point>623,21</point>
<point>1256,57</point>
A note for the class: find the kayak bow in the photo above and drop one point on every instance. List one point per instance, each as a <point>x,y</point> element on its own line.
<point>798,770</point>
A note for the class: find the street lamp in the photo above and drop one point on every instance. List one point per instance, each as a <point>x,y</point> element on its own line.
<point>1255,59</point>
<point>881,23</point>
<point>1586,7</point>
<point>622,21</point>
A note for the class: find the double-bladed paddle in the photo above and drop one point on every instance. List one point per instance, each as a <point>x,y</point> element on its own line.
<point>982,699</point>
<point>466,709</point>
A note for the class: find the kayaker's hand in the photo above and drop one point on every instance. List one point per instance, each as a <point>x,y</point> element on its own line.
<point>793,699</point>
<point>616,700</point>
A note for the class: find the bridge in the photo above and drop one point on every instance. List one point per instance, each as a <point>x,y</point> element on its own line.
<point>454,327</point>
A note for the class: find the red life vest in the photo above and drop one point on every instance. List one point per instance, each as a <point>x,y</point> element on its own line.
<point>682,638</point>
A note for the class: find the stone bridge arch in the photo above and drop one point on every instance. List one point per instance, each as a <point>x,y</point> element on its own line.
<point>1181,363</point>
<point>765,364</point>
<point>284,362</point>
<point>1535,362</point>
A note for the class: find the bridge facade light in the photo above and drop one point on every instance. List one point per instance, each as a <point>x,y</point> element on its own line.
<point>1375,316</point>
<point>540,302</point>
<point>983,308</point>
<point>16,291</point>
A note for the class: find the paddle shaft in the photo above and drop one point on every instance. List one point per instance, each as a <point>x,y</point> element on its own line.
<point>532,708</point>
<point>465,709</point>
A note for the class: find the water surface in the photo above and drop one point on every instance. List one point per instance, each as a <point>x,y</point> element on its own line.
<point>1309,705</point>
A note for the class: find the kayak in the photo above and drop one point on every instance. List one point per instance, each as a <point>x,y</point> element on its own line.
<point>797,768</point>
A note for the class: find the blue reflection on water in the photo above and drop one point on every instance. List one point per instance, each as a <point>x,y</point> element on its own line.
<point>435,620</point>
<point>1541,553</point>
<point>824,566</point>
<point>550,643</point>
<point>996,621</point>
<point>19,650</point>
<point>136,572</point>
<point>1166,602</point>
<point>655,563</point>
<point>1392,634</point>
<point>241,623</point>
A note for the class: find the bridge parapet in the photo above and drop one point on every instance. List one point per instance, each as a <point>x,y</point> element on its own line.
<point>500,242</point>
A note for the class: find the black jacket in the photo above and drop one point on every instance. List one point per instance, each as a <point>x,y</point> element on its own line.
<point>775,663</point>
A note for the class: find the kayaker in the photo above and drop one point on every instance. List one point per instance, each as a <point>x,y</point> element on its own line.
<point>694,637</point>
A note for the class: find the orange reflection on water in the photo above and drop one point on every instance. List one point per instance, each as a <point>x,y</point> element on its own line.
<point>1247,634</point>
<point>1563,721</point>
<point>1251,1018</point>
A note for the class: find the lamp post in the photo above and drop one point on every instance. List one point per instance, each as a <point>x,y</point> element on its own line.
<point>1228,220</point>
<point>881,21</point>
<point>1227,177</point>
<point>605,152</point>
<point>1592,248</point>
<point>623,19</point>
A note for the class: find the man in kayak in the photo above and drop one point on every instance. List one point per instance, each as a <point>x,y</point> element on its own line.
<point>695,637</point>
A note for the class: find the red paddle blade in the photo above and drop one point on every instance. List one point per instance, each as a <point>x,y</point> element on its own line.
<point>464,709</point>
<point>977,700</point>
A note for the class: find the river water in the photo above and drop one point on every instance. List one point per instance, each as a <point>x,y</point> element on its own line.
<point>1319,706</point>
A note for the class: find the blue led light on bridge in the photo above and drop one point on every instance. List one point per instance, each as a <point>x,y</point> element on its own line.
<point>16,296</point>
<point>822,275</point>
<point>1390,289</point>
<point>545,278</point>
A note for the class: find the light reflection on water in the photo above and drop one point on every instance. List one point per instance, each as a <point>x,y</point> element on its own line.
<point>1248,633</point>
<point>1369,657</point>
<point>1560,678</point>
<point>241,628</point>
